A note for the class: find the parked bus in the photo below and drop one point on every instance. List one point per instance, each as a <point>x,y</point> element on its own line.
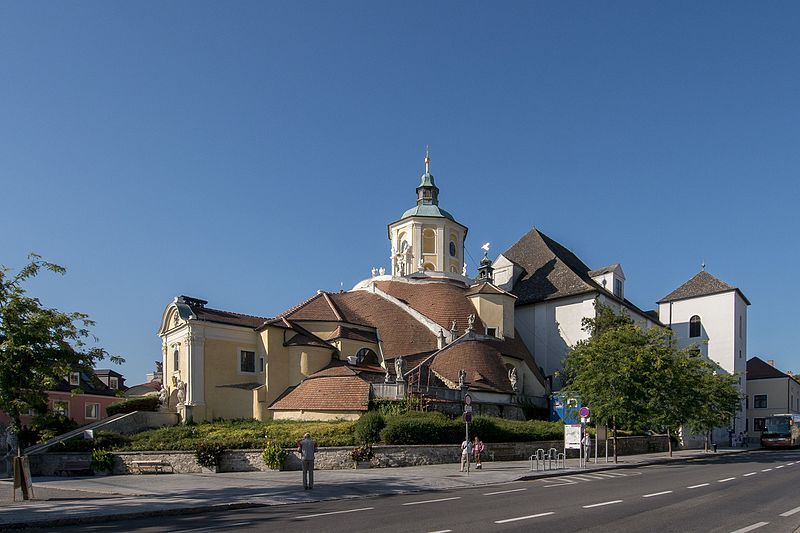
<point>781,431</point>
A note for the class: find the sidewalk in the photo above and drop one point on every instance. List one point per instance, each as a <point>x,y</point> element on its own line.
<point>65,501</point>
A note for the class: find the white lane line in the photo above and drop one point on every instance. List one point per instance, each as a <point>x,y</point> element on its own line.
<point>335,512</point>
<point>698,486</point>
<point>507,520</point>
<point>791,512</point>
<point>603,475</point>
<point>601,504</point>
<point>780,466</point>
<point>751,527</point>
<point>434,501</point>
<point>593,476</point>
<point>750,474</point>
<point>724,480</point>
<point>442,531</point>
<point>657,494</point>
<point>503,492</point>
<point>582,477</point>
<point>766,470</point>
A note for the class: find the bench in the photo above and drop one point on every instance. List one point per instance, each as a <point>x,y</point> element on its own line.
<point>152,466</point>
<point>75,466</point>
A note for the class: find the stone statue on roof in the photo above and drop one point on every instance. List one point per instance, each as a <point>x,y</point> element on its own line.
<point>399,369</point>
<point>464,270</point>
<point>374,272</point>
<point>462,378</point>
<point>381,271</point>
<point>512,377</point>
<point>470,322</point>
<point>386,377</point>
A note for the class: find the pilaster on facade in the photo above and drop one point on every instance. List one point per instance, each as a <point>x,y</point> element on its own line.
<point>195,343</point>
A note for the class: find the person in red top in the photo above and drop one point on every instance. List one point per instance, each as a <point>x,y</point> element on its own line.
<point>477,449</point>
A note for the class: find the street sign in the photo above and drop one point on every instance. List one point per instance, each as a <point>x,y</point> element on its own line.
<point>467,417</point>
<point>467,408</point>
<point>584,412</point>
<point>467,399</point>
<point>572,437</point>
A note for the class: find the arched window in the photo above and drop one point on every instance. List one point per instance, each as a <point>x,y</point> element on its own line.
<point>453,245</point>
<point>367,356</point>
<point>428,241</point>
<point>176,360</point>
<point>428,266</point>
<point>694,326</point>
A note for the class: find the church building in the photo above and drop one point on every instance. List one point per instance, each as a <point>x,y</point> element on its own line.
<point>423,331</point>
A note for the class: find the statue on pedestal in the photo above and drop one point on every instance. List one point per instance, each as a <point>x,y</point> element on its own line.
<point>462,378</point>
<point>512,377</point>
<point>399,369</point>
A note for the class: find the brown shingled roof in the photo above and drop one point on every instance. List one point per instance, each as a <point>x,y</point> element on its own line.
<point>441,301</point>
<point>701,284</point>
<point>328,393</point>
<point>487,288</point>
<point>227,317</point>
<point>757,368</point>
<point>343,332</point>
<point>483,363</point>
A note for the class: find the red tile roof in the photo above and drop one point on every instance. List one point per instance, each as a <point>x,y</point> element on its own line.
<point>228,317</point>
<point>482,361</point>
<point>441,301</point>
<point>487,288</point>
<point>327,393</point>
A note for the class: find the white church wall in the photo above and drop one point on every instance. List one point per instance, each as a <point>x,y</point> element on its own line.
<point>550,329</point>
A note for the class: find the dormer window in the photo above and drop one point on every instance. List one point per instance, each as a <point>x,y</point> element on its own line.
<point>75,378</point>
<point>492,332</point>
<point>694,327</point>
<point>113,383</point>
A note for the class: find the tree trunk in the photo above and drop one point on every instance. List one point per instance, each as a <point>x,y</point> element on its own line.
<point>669,443</point>
<point>614,427</point>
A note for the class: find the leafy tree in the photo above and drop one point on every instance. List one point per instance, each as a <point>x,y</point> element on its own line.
<point>718,400</point>
<point>38,345</point>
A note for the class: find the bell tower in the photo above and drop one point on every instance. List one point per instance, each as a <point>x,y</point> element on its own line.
<point>427,238</point>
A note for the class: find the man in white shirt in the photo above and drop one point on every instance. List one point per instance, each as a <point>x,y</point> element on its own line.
<point>307,447</point>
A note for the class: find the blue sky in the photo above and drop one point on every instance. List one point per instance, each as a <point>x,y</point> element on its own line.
<point>250,153</point>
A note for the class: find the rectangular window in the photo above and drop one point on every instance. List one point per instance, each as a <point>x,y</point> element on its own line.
<point>492,332</point>
<point>618,288</point>
<point>75,378</point>
<point>745,424</point>
<point>261,364</point>
<point>247,361</point>
<point>740,354</point>
<point>759,401</point>
<point>759,424</point>
<point>740,327</point>
<point>113,383</point>
<point>61,407</point>
<point>92,411</point>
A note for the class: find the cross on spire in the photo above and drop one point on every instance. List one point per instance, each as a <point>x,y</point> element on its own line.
<point>427,159</point>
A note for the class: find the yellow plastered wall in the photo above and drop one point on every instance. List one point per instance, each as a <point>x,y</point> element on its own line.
<point>495,310</point>
<point>221,359</point>
<point>351,347</point>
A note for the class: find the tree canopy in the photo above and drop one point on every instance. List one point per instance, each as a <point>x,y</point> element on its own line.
<point>634,378</point>
<point>38,345</point>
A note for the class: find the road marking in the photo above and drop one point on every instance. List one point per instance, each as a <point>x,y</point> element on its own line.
<point>750,474</point>
<point>582,477</point>
<point>603,475</point>
<point>766,470</point>
<point>442,531</point>
<point>601,504</point>
<point>724,480</point>
<point>503,492</point>
<point>751,528</point>
<point>780,466</point>
<point>334,512</point>
<point>698,486</point>
<point>592,476</point>
<point>657,494</point>
<point>507,520</point>
<point>434,501</point>
<point>617,474</point>
<point>791,512</point>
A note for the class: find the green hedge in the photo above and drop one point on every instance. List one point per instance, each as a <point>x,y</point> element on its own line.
<point>422,428</point>
<point>148,403</point>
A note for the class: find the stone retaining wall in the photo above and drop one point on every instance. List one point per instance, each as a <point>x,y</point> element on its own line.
<point>336,458</point>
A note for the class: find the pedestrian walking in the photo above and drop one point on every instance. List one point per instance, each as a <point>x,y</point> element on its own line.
<point>742,440</point>
<point>466,451</point>
<point>477,450</point>
<point>306,447</point>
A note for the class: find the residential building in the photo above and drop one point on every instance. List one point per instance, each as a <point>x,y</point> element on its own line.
<point>769,392</point>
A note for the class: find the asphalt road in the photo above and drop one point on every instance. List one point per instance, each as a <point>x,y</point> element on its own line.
<point>759,490</point>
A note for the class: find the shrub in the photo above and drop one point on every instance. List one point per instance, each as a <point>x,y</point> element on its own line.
<point>102,461</point>
<point>208,454</point>
<point>422,428</point>
<point>492,429</point>
<point>273,455</point>
<point>362,453</point>
<point>368,428</point>
<point>103,440</point>
<point>148,403</point>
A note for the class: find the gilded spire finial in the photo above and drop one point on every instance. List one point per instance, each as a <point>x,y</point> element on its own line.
<point>427,159</point>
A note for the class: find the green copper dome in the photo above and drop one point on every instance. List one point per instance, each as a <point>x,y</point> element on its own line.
<point>427,211</point>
